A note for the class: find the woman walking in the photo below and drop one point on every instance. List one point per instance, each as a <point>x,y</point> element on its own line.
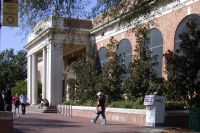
<point>16,103</point>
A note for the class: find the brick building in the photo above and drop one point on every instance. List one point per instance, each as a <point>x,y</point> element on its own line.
<point>51,51</point>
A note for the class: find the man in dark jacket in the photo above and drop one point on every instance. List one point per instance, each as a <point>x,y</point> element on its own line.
<point>1,102</point>
<point>100,108</point>
<point>8,100</point>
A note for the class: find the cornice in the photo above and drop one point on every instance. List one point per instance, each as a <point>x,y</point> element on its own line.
<point>171,7</point>
<point>49,31</point>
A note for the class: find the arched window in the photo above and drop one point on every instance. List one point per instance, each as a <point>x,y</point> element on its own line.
<point>124,50</point>
<point>182,27</point>
<point>155,44</point>
<point>102,55</point>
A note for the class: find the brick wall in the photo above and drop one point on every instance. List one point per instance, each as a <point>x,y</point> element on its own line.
<point>133,116</point>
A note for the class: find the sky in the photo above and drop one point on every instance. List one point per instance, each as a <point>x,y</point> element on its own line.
<point>11,37</point>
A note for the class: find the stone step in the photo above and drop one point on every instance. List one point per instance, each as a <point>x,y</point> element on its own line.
<point>50,109</point>
<point>35,109</point>
<point>38,109</point>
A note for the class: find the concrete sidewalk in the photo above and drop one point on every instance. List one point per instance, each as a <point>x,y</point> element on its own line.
<point>52,123</point>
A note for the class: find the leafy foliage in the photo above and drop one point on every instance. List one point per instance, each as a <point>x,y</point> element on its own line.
<point>12,67</point>
<point>83,87</point>
<point>90,79</point>
<point>33,11</point>
<point>19,88</point>
<point>113,73</point>
<point>183,67</point>
<point>136,103</point>
<point>122,104</point>
<point>142,80</point>
<point>174,105</point>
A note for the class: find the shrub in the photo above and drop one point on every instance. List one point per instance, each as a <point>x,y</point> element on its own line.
<point>174,105</point>
<point>90,103</point>
<point>71,102</point>
<point>138,104</point>
<point>122,104</point>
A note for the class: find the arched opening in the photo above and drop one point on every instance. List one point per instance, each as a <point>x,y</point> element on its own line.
<point>103,51</point>
<point>154,42</point>
<point>124,50</point>
<point>182,28</point>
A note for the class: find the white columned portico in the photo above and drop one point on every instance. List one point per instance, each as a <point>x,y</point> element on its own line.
<point>29,78</point>
<point>34,79</point>
<point>47,44</point>
<point>44,73</point>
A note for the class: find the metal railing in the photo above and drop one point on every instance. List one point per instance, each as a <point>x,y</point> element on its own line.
<point>64,110</point>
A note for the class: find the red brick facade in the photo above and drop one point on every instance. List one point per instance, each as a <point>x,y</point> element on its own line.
<point>166,24</point>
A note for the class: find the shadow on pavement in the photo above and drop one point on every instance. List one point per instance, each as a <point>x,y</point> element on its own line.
<point>24,125</point>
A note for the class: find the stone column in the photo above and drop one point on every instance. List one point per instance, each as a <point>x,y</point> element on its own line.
<point>34,80</point>
<point>29,78</point>
<point>48,78</point>
<point>44,72</point>
<point>55,71</point>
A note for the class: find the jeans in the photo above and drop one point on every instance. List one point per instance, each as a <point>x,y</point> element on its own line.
<point>23,105</point>
<point>102,113</point>
<point>16,111</point>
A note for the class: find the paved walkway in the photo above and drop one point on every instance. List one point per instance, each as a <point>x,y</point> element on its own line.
<point>52,123</point>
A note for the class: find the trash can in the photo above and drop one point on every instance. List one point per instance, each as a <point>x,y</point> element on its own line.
<point>155,110</point>
<point>194,119</point>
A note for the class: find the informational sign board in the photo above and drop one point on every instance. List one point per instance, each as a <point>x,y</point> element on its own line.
<point>10,13</point>
<point>155,110</point>
<point>149,100</point>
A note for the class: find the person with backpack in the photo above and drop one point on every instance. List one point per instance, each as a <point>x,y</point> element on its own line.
<point>16,104</point>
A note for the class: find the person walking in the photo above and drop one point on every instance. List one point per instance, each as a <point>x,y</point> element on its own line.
<point>8,100</point>
<point>2,101</point>
<point>16,103</point>
<point>100,108</point>
<point>23,100</point>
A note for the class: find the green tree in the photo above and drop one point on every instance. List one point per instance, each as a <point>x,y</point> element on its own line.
<point>33,11</point>
<point>21,62</point>
<point>19,88</point>
<point>86,70</point>
<point>12,67</point>
<point>113,73</point>
<point>142,79</point>
<point>183,67</point>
